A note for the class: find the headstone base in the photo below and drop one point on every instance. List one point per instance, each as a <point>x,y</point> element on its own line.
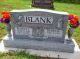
<point>42,53</point>
<point>39,45</point>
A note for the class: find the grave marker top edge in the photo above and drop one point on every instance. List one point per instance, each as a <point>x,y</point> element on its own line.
<point>45,10</point>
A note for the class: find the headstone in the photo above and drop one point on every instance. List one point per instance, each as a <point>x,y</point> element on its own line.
<point>39,29</point>
<point>43,4</point>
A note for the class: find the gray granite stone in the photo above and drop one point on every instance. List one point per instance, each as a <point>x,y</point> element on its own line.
<point>39,25</point>
<point>39,45</point>
<point>39,29</point>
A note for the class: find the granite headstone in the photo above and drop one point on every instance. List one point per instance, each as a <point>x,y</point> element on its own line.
<point>43,4</point>
<point>39,29</point>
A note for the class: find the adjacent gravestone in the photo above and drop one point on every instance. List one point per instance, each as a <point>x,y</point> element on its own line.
<point>43,4</point>
<point>39,29</point>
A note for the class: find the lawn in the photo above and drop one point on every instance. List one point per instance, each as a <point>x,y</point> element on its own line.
<point>8,5</point>
<point>21,55</point>
<point>17,55</point>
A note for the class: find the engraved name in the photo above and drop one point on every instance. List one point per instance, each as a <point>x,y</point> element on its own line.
<point>36,19</point>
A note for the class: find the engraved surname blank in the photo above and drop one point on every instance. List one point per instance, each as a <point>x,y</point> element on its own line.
<point>38,19</point>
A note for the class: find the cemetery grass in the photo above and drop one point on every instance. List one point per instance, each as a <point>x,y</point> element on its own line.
<point>8,5</point>
<point>20,55</point>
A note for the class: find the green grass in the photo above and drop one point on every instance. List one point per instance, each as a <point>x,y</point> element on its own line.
<point>17,55</point>
<point>20,55</point>
<point>67,7</point>
<point>16,4</point>
<point>8,5</point>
